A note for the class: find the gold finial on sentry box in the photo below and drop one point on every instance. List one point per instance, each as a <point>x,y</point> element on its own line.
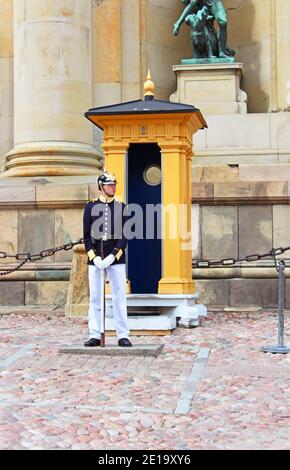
<point>149,87</point>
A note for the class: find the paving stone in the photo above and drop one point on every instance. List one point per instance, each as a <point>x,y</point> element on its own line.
<point>241,395</point>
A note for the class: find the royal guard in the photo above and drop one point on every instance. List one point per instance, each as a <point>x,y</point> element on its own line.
<point>105,244</point>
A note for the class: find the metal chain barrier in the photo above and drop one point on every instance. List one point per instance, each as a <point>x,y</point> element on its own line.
<point>25,257</point>
<point>279,348</point>
<point>200,263</point>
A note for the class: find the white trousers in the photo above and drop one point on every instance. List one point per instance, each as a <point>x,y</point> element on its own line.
<point>117,279</point>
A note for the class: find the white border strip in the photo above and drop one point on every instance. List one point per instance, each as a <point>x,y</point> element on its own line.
<point>184,402</point>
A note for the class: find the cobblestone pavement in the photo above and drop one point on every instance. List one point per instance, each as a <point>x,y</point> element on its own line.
<point>211,388</point>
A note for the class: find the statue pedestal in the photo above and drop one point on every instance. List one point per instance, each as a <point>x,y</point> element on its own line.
<point>212,88</point>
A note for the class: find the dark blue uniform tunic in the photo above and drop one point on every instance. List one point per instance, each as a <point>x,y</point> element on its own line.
<point>105,220</point>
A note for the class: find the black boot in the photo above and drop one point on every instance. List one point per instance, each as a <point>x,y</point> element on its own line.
<point>92,342</point>
<point>125,343</point>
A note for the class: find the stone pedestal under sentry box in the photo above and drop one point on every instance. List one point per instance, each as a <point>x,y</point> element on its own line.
<point>148,146</point>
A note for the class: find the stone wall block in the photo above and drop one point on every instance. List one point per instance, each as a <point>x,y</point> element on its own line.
<point>238,130</point>
<point>8,234</point>
<point>201,190</point>
<point>11,194</point>
<point>255,229</point>
<point>281,227</point>
<point>219,232</point>
<point>68,228</point>
<point>265,172</point>
<point>195,231</point>
<point>213,293</point>
<point>60,193</point>
<point>279,126</point>
<point>36,232</point>
<point>257,292</point>
<point>214,173</point>
<point>12,293</point>
<point>46,292</point>
<point>234,190</point>
<point>270,189</point>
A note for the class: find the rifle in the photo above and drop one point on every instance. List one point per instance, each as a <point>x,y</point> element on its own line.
<point>103,298</point>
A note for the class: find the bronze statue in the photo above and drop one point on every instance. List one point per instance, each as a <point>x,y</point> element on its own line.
<point>203,35</point>
<point>202,27</point>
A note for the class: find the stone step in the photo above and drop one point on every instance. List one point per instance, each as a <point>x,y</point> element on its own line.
<point>133,311</point>
<point>145,350</point>
<point>164,322</point>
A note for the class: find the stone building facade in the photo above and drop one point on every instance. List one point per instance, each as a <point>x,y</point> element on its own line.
<point>60,57</point>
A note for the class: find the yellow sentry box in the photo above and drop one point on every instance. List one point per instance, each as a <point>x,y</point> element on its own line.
<point>170,127</point>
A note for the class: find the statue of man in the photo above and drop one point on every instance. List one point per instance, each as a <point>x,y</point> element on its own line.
<point>219,13</point>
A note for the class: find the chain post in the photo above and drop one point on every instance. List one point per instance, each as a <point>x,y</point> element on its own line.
<point>275,261</point>
<point>280,348</point>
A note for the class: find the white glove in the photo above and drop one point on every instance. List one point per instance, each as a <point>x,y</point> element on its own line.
<point>107,261</point>
<point>98,262</point>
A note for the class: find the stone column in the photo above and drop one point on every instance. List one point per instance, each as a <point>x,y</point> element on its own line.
<point>53,89</point>
<point>6,79</point>
<point>282,50</point>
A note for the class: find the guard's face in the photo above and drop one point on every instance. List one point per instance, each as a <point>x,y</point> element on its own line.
<point>109,189</point>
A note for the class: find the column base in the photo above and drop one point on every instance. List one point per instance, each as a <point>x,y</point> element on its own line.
<point>176,286</point>
<point>51,159</point>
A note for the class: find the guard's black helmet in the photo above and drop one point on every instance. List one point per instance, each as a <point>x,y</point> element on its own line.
<point>106,178</point>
